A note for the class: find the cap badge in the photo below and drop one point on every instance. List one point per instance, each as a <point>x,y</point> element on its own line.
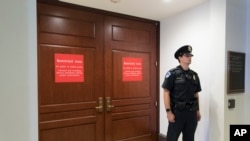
<point>189,49</point>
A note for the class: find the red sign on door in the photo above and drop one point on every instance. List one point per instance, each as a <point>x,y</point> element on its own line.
<point>132,69</point>
<point>69,68</point>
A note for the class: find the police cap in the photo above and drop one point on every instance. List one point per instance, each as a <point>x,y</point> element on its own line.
<point>186,49</point>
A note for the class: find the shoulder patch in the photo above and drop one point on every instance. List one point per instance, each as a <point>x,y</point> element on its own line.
<point>168,74</point>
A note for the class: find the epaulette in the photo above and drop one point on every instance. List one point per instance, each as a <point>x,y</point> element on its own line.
<point>175,71</point>
<point>193,72</point>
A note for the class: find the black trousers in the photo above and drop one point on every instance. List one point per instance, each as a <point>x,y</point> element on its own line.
<point>185,123</point>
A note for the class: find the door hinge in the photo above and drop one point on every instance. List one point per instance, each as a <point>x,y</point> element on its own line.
<point>156,103</point>
<point>156,63</point>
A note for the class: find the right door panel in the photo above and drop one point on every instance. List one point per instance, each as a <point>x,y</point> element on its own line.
<point>130,80</point>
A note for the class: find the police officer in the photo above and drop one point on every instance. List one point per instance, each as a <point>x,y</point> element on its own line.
<point>181,86</point>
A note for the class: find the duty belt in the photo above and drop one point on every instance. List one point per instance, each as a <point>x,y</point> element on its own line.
<point>190,106</point>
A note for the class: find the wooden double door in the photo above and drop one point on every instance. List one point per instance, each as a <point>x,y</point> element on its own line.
<point>97,76</point>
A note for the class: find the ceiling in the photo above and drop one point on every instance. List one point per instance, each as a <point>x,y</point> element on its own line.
<point>149,9</point>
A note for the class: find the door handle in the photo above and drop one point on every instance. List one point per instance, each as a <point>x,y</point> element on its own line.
<point>99,108</point>
<point>108,104</point>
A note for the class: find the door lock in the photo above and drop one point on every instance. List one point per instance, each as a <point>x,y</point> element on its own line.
<point>108,104</point>
<point>100,103</point>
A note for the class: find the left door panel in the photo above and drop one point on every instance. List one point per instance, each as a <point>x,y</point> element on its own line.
<point>70,71</point>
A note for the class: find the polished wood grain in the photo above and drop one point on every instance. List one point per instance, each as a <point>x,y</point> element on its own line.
<point>67,110</point>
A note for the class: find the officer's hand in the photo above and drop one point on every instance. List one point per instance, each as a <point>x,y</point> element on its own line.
<point>198,116</point>
<point>171,117</point>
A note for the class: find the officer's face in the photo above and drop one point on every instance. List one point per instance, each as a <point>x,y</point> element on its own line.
<point>186,58</point>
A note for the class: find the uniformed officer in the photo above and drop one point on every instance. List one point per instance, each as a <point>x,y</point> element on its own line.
<point>181,86</point>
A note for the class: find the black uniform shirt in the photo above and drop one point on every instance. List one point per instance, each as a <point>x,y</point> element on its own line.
<point>182,84</point>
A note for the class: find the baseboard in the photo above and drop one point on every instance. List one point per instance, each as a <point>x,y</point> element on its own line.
<point>161,137</point>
